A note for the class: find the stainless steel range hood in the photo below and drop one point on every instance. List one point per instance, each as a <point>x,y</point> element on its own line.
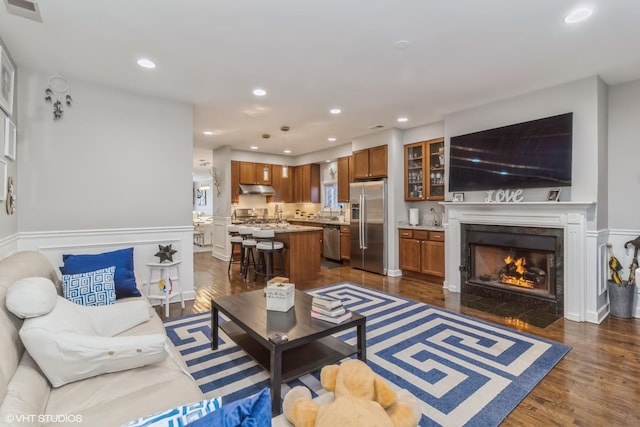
<point>265,190</point>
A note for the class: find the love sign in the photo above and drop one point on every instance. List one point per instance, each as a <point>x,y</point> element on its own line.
<point>501,196</point>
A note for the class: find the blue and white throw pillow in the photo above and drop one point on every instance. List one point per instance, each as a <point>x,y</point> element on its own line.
<point>180,416</point>
<point>91,288</point>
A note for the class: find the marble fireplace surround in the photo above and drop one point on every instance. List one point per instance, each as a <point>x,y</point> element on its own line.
<point>581,289</point>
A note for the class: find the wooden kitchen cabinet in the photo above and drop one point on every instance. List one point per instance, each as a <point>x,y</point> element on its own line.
<point>409,251</point>
<point>255,173</point>
<point>306,183</point>
<point>370,163</point>
<point>311,224</point>
<point>345,242</point>
<point>432,254</point>
<point>422,251</point>
<point>281,185</point>
<point>235,182</point>
<point>424,170</point>
<point>344,178</point>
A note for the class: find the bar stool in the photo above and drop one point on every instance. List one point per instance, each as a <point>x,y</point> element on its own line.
<point>266,246</point>
<point>236,245</point>
<point>248,244</point>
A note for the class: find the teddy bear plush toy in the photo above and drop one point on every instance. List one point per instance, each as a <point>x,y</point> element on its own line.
<point>361,399</point>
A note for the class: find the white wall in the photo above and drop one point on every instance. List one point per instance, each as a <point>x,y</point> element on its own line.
<point>116,167</point>
<point>9,223</point>
<point>579,97</point>
<point>624,156</point>
<point>115,160</point>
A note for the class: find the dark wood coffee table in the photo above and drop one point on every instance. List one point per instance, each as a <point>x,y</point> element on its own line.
<point>310,344</point>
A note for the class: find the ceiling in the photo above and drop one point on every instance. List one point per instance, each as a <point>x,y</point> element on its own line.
<point>314,56</point>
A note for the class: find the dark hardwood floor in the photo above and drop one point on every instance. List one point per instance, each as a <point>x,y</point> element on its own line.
<point>596,384</point>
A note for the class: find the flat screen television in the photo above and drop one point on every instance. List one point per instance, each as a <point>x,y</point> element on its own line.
<point>534,154</point>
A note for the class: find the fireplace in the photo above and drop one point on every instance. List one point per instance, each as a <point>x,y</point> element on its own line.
<point>522,266</point>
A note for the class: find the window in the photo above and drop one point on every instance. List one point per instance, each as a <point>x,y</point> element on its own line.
<point>331,196</point>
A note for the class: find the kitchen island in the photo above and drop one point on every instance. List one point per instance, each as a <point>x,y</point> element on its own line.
<point>301,251</point>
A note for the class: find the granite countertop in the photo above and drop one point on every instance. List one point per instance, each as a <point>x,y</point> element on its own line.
<point>319,221</point>
<point>405,224</point>
<point>279,228</point>
<point>296,229</point>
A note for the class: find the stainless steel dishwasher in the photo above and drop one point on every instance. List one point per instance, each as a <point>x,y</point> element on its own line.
<point>331,242</point>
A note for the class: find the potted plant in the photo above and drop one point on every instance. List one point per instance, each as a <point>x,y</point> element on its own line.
<point>621,292</point>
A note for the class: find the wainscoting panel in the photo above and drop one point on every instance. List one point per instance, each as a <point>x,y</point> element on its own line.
<point>144,241</point>
<point>220,245</point>
<point>8,246</point>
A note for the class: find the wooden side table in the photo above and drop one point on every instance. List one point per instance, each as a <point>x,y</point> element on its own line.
<point>164,270</point>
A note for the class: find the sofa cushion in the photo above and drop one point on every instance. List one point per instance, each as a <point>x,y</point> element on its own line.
<point>90,288</point>
<point>122,259</point>
<point>179,416</point>
<point>31,297</point>
<point>27,394</point>
<point>251,411</point>
<point>116,398</point>
<point>74,342</point>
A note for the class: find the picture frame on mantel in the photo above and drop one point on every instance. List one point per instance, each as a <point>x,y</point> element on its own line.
<point>458,197</point>
<point>554,195</point>
<point>7,81</point>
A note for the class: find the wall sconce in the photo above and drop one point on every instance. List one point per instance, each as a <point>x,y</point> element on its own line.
<point>56,92</point>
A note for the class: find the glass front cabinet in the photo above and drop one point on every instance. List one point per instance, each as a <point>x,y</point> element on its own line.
<point>424,170</point>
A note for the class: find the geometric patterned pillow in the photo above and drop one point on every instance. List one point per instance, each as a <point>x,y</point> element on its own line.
<point>180,416</point>
<point>91,288</point>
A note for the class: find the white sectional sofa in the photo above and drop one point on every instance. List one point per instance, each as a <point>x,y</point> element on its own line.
<point>27,398</point>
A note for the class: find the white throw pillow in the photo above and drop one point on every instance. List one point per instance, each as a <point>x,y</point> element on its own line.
<point>75,342</point>
<point>31,297</point>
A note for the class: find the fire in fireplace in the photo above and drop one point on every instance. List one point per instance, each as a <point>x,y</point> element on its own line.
<point>519,264</point>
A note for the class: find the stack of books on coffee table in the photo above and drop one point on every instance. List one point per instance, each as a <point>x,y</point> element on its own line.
<point>329,310</point>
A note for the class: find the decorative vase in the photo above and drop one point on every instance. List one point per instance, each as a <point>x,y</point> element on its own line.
<point>621,300</point>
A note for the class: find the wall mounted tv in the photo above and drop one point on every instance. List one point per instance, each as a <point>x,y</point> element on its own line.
<point>533,154</point>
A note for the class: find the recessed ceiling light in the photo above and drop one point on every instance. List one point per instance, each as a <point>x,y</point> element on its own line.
<point>335,111</point>
<point>402,44</point>
<point>259,92</point>
<point>332,139</point>
<point>146,63</point>
<point>578,15</point>
<point>403,119</point>
<point>327,161</point>
<point>253,147</point>
<point>207,132</point>
<point>287,151</point>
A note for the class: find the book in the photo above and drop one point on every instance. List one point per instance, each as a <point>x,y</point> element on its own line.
<point>333,313</point>
<point>326,303</point>
<point>338,319</point>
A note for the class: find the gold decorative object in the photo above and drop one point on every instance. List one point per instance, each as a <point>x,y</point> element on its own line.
<point>11,197</point>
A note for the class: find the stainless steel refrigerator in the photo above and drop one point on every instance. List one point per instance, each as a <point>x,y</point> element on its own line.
<point>369,226</point>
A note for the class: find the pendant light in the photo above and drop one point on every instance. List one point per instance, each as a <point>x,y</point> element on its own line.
<point>285,168</point>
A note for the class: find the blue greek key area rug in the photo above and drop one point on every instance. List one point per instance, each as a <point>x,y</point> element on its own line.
<point>463,370</point>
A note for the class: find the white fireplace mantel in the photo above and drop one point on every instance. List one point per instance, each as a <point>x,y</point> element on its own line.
<point>580,293</point>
